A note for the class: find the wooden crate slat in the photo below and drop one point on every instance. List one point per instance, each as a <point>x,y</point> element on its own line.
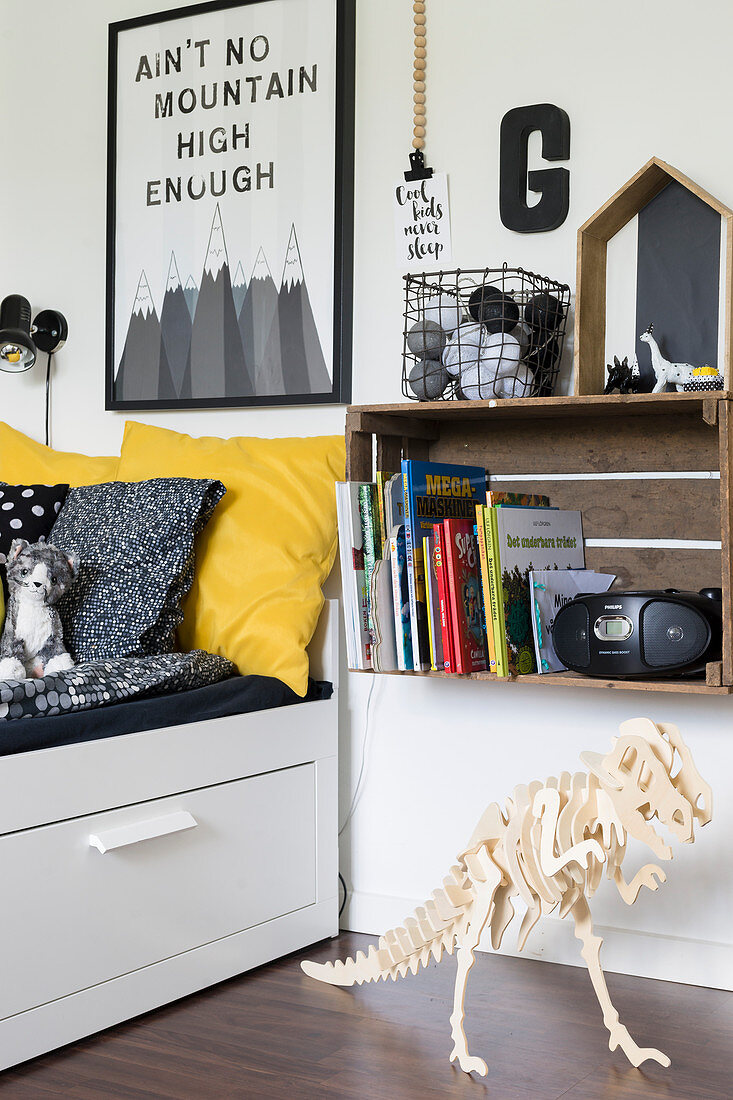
<point>589,406</point>
<point>726,504</point>
<point>637,509</point>
<point>358,452</point>
<point>631,445</point>
<point>576,680</point>
<point>688,570</point>
<point>389,453</point>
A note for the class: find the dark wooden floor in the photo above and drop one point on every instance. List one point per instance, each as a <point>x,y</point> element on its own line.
<point>276,1034</point>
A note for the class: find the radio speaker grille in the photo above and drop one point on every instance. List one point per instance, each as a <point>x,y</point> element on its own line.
<point>570,636</point>
<point>671,634</point>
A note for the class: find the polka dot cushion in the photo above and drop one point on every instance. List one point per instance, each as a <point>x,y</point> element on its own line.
<point>135,542</point>
<point>28,511</point>
<point>103,683</point>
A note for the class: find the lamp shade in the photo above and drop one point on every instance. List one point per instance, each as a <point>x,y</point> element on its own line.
<point>17,350</point>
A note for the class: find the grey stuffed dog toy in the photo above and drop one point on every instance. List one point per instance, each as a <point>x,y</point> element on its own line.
<point>32,642</point>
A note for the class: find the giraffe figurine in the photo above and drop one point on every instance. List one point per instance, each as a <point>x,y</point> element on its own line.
<point>676,374</point>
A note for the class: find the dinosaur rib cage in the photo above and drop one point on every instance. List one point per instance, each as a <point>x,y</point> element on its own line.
<point>511,841</point>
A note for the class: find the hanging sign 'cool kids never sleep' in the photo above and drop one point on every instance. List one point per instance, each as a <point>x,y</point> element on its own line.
<point>224,176</point>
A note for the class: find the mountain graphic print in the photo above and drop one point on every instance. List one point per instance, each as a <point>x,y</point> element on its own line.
<point>225,338</point>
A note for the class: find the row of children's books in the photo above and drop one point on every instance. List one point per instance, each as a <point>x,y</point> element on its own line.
<point>438,570</point>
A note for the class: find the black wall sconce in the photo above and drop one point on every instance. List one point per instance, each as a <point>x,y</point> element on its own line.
<point>21,339</point>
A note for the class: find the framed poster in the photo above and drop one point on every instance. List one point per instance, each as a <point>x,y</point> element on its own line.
<point>230,205</point>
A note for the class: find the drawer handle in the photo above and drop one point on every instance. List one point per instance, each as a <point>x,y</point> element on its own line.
<point>142,830</point>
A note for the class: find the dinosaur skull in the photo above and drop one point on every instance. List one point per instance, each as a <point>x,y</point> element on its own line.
<point>638,772</point>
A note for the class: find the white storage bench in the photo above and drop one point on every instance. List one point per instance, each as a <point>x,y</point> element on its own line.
<point>138,869</point>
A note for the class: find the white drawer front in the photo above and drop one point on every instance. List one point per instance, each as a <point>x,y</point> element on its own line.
<point>99,896</point>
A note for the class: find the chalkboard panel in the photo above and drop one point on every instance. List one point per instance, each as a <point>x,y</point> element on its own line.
<point>678,279</point>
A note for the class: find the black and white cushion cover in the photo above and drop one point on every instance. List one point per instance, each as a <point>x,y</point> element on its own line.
<point>103,683</point>
<point>135,542</point>
<point>28,511</point>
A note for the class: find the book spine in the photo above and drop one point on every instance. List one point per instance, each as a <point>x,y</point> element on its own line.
<point>413,556</point>
<point>397,602</point>
<point>371,543</point>
<point>485,586</point>
<point>448,663</point>
<point>496,595</point>
<point>429,601</point>
<point>382,480</point>
<point>343,519</point>
<point>450,565</point>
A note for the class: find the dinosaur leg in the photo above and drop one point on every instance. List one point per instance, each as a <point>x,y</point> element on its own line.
<point>591,952</point>
<point>467,943</point>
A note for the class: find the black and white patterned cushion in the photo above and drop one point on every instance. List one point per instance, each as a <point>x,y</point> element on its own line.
<point>28,511</point>
<point>103,683</point>
<point>135,542</point>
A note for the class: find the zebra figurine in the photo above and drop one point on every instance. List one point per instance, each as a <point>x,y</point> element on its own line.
<point>674,374</point>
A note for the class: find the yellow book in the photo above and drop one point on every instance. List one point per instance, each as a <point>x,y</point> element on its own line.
<point>496,593</point>
<point>485,584</point>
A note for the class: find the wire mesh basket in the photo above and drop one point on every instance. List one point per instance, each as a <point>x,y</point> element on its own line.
<point>482,334</point>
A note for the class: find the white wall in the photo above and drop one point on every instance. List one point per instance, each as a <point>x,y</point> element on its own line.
<point>636,80</point>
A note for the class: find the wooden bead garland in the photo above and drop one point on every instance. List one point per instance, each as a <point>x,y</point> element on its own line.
<point>418,75</point>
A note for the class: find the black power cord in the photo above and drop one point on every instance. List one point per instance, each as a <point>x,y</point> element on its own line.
<point>346,893</point>
<point>48,399</point>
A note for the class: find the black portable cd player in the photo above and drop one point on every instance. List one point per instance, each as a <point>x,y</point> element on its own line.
<point>627,634</point>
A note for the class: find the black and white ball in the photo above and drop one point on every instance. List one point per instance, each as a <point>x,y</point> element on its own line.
<point>426,340</point>
<point>428,379</point>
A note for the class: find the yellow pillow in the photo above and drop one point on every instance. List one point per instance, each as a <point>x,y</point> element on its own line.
<point>267,550</point>
<point>25,462</point>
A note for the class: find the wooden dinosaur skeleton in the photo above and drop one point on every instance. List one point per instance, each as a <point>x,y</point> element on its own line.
<point>549,846</point>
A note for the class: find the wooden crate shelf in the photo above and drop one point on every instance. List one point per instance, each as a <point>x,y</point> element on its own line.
<point>598,435</point>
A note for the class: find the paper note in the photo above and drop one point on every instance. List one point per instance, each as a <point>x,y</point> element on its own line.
<point>422,224</point>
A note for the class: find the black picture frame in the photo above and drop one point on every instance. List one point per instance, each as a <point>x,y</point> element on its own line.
<point>343,216</point>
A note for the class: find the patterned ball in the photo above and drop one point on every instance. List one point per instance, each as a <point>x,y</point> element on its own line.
<point>444,310</point>
<point>426,340</point>
<point>428,379</point>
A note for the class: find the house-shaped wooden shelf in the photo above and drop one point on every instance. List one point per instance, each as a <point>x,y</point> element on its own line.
<point>593,238</point>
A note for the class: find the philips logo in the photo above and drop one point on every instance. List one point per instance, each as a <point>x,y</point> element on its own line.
<point>612,607</point>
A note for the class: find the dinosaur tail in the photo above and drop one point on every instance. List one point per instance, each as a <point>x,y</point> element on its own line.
<point>429,931</point>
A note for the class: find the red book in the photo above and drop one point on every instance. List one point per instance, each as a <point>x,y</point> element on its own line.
<point>448,661</point>
<point>463,574</point>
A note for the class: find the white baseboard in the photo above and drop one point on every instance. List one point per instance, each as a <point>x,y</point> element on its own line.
<point>625,951</point>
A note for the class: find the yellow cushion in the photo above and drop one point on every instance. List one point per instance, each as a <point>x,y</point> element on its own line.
<point>25,462</point>
<point>268,549</point>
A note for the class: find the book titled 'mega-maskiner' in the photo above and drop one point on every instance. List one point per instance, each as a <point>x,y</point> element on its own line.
<point>434,491</point>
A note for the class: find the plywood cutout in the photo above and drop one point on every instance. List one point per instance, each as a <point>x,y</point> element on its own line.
<point>549,846</point>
